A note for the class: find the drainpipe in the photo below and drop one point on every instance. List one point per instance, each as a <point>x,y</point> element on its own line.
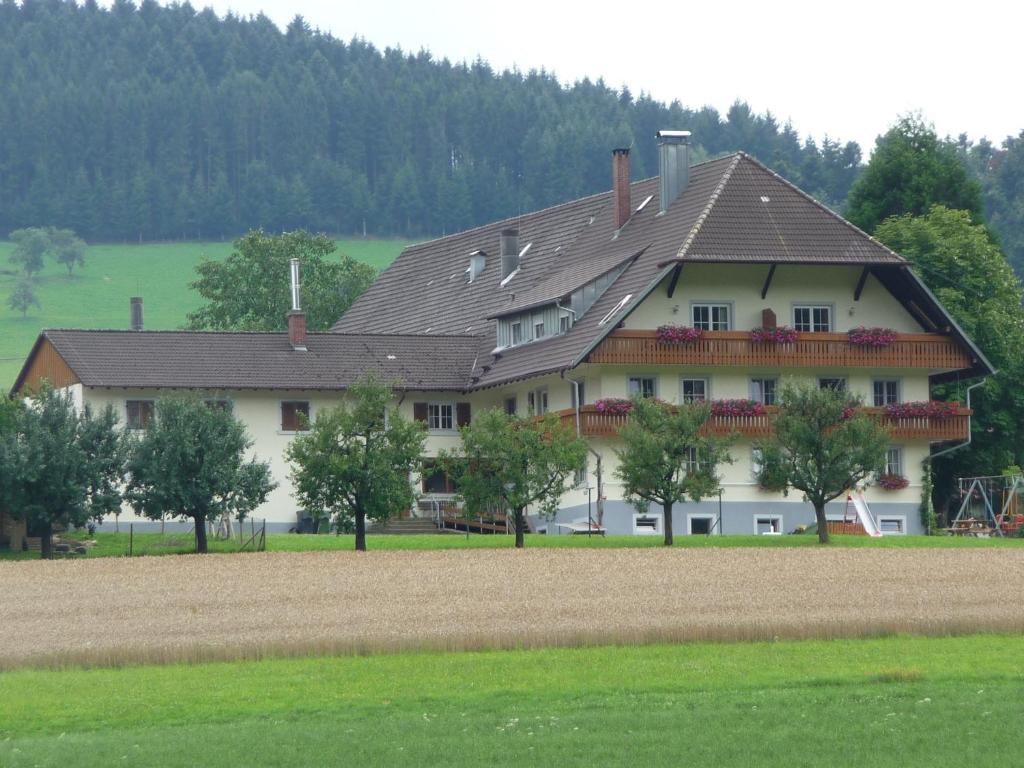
<point>931,457</point>
<point>579,433</point>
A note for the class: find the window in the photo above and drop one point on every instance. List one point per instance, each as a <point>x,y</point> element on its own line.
<point>579,478</point>
<point>886,392</point>
<point>573,389</point>
<point>510,405</point>
<point>538,326</point>
<point>646,525</point>
<point>756,462</point>
<point>893,462</point>
<point>812,317</point>
<point>767,524</point>
<point>564,323</point>
<point>516,330</point>
<point>694,390</point>
<point>711,317</point>
<point>436,480</point>
<point>700,525</point>
<point>892,525</point>
<point>763,390</point>
<point>645,386</point>
<point>440,417</point>
<point>218,404</point>
<point>835,384</point>
<point>140,413</point>
<point>692,463</point>
<point>537,401</point>
<point>294,415</point>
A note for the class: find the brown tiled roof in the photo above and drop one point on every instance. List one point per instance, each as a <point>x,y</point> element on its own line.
<point>218,361</point>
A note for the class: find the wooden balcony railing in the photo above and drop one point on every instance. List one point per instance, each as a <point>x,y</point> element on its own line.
<point>932,351</point>
<point>596,424</point>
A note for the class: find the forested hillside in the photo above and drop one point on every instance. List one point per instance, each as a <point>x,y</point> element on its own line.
<point>149,122</point>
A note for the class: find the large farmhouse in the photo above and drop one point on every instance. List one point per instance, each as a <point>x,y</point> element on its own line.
<point>558,310</point>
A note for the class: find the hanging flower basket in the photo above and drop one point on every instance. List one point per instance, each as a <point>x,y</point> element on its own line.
<point>738,407</point>
<point>679,334</point>
<point>615,406</point>
<point>780,335</point>
<point>922,409</point>
<point>874,338</point>
<point>893,482</point>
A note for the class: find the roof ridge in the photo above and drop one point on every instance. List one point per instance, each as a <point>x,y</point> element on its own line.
<point>815,201</point>
<point>207,332</point>
<point>726,175</point>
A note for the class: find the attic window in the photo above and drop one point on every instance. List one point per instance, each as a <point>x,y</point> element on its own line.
<point>644,203</point>
<point>625,300</point>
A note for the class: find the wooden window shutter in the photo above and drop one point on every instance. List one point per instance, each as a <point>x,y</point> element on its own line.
<point>419,412</point>
<point>462,414</point>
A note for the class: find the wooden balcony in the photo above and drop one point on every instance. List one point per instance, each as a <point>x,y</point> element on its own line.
<point>596,424</point>
<point>931,351</point>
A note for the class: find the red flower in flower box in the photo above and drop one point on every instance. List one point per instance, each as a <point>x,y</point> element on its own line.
<point>922,409</point>
<point>893,482</point>
<point>615,406</point>
<point>783,334</point>
<point>738,407</point>
<point>679,334</point>
<point>875,338</point>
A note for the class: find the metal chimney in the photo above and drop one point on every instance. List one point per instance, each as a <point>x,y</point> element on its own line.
<point>136,313</point>
<point>509,252</point>
<point>674,162</point>
<point>620,186</point>
<point>296,317</point>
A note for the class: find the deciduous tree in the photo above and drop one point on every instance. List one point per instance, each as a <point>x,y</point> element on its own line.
<point>23,298</point>
<point>513,464</point>
<point>67,248</point>
<point>821,446</point>
<point>355,462</point>
<point>190,463</point>
<point>250,291</point>
<point>30,246</point>
<point>665,459</point>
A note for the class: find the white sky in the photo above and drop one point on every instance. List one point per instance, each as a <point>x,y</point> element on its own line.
<point>845,69</point>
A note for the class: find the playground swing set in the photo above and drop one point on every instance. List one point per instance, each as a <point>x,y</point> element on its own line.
<point>990,506</point>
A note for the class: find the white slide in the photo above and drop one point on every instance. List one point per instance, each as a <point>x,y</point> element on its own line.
<point>864,514</point>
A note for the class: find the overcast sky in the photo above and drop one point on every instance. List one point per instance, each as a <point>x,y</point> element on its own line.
<point>846,69</point>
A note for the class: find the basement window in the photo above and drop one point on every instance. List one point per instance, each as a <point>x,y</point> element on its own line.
<point>767,525</point>
<point>892,526</point>
<point>140,413</point>
<point>646,525</point>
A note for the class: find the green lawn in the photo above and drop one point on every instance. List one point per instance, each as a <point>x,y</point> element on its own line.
<point>98,296</point>
<point>117,544</point>
<point>897,701</point>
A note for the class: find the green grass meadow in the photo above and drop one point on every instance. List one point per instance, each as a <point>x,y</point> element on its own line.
<point>897,701</point>
<point>145,544</point>
<point>97,296</point>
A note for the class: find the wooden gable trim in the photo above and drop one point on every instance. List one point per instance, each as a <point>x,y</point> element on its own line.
<point>45,363</point>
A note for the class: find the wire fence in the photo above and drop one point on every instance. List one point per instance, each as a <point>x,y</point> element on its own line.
<point>251,536</point>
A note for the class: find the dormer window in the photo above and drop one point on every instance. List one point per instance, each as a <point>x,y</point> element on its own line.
<point>517,332</point>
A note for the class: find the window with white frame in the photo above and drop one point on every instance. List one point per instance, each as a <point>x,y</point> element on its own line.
<point>645,386</point>
<point>711,317</point>
<point>835,383</point>
<point>767,525</point>
<point>762,390</point>
<point>538,326</point>
<point>646,524</point>
<point>440,417</point>
<point>885,391</point>
<point>537,401</point>
<point>692,462</point>
<point>814,318</point>
<point>564,322</point>
<point>894,461</point>
<point>516,332</point>
<point>892,525</point>
<point>756,462</point>
<point>693,390</point>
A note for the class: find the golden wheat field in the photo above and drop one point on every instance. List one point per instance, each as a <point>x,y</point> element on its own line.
<point>161,609</point>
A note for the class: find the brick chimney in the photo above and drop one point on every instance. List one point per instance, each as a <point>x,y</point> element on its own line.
<point>620,186</point>
<point>296,317</point>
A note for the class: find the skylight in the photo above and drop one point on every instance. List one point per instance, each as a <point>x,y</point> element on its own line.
<point>616,308</point>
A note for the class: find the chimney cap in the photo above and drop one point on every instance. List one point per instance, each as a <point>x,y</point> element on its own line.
<point>674,136</point>
<point>620,151</point>
<point>510,232</point>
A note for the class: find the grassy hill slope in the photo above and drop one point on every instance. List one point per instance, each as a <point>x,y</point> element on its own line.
<point>97,297</point>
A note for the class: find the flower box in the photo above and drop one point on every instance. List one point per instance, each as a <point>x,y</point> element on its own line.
<point>615,406</point>
<point>783,334</point>
<point>739,407</point>
<point>679,334</point>
<point>893,482</point>
<point>922,409</point>
<point>874,338</point>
